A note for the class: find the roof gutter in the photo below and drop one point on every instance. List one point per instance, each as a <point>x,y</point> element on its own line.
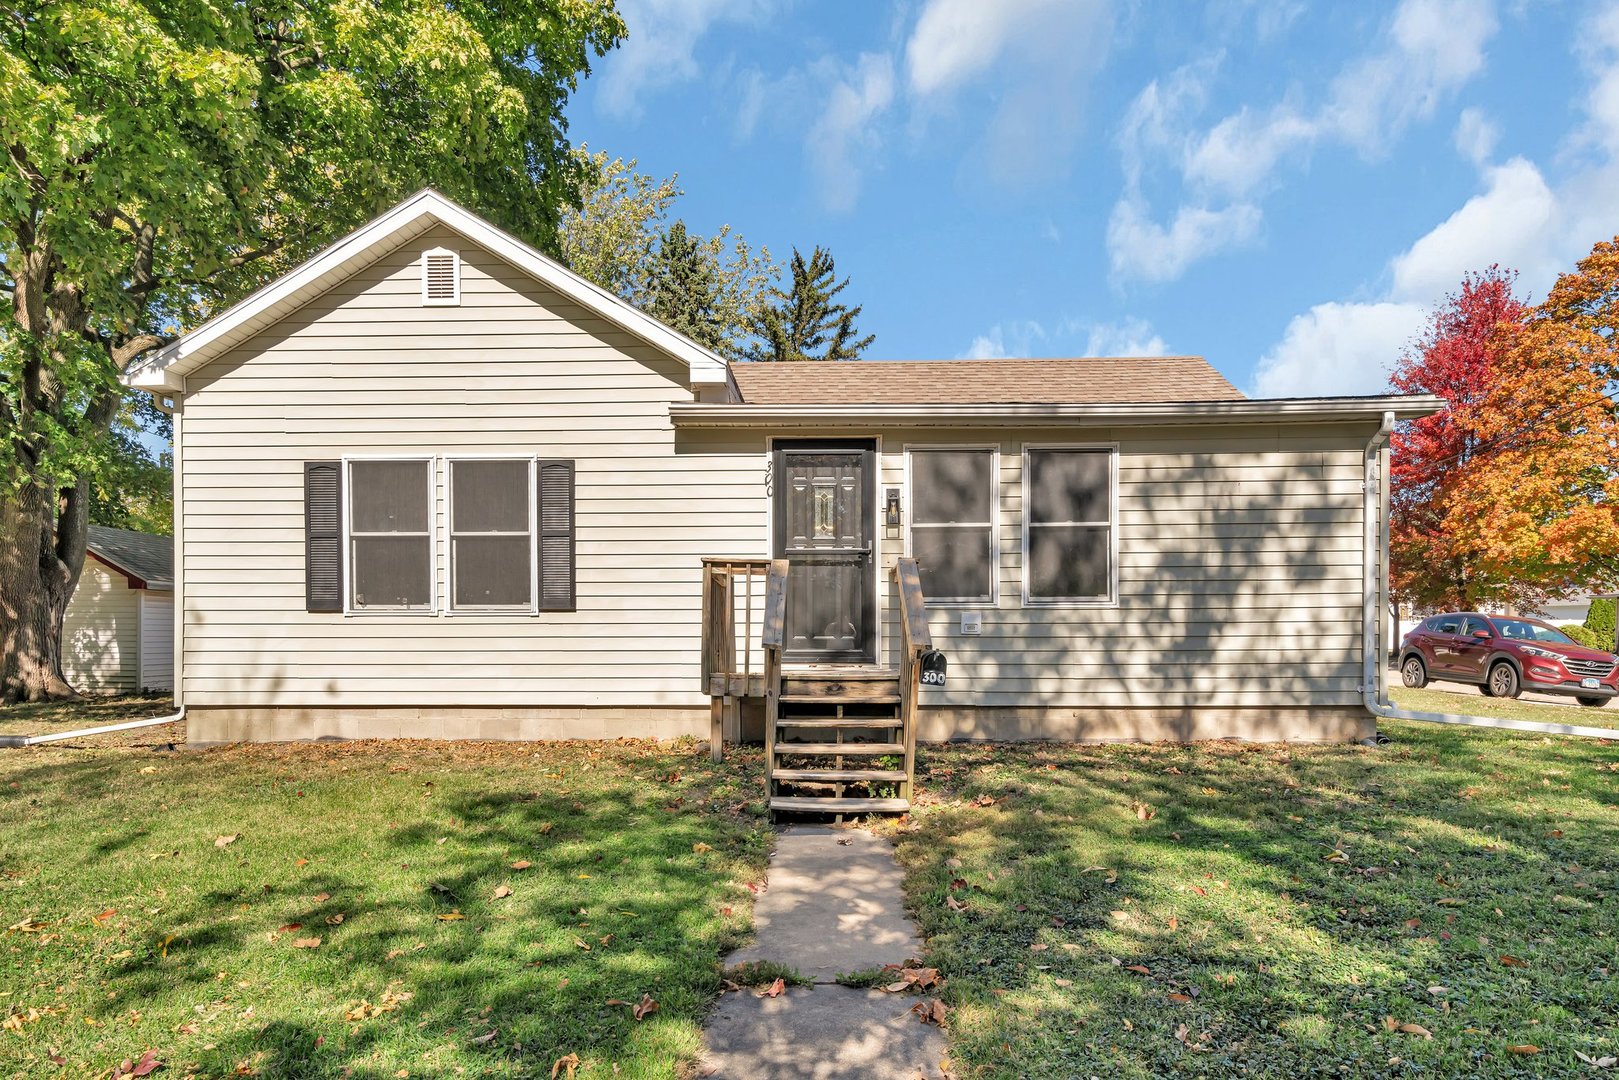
<point>1375,669</point>
<point>1299,410</point>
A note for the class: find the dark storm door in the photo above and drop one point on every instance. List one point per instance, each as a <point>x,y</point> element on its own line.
<point>823,528</point>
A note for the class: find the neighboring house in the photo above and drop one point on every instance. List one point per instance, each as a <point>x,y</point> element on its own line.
<point>432,484</point>
<point>118,635</point>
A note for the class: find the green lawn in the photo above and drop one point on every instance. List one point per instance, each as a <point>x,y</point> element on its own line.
<point>1473,703</point>
<point>1161,910</point>
<point>135,926</point>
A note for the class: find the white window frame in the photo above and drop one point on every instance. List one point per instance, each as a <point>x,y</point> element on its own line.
<point>533,605</point>
<point>909,511</point>
<point>432,537</point>
<point>455,276</point>
<point>1111,600</point>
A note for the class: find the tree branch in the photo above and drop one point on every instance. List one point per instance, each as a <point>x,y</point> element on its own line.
<point>141,287</point>
<point>126,351</point>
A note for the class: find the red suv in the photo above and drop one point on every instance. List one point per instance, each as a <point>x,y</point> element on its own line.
<point>1504,656</point>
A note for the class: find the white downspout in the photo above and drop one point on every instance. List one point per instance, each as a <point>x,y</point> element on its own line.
<point>1374,667</point>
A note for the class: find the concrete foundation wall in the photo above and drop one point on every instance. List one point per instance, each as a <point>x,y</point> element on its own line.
<point>209,725</point>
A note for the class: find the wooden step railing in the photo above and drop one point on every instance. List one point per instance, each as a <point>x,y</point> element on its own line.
<point>772,633</point>
<point>915,639</point>
<point>733,657</point>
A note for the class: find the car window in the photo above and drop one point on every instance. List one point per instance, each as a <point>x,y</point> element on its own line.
<point>1473,626</point>
<point>1450,625</point>
<point>1524,630</point>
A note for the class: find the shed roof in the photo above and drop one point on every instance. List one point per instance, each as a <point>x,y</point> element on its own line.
<point>148,558</point>
<point>1113,380</point>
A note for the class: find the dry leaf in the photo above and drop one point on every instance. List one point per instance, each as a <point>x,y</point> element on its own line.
<point>1065,983</point>
<point>775,989</point>
<point>953,904</point>
<point>320,898</point>
<point>290,927</point>
<point>502,892</point>
<point>700,847</point>
<point>105,915</point>
<point>335,920</point>
<point>451,916</point>
<point>931,1011</point>
<point>571,1062</point>
<point>521,864</point>
<point>1179,999</point>
<point>1513,961</point>
<point>1607,1061</point>
<point>1416,1029</point>
<point>1139,969</point>
<point>582,944</point>
<point>1523,1048</point>
<point>226,841</point>
<point>1145,812</point>
<point>1174,924</point>
<point>645,1008</point>
<point>486,1038</point>
<point>545,827</point>
<point>306,943</point>
<point>147,1064</point>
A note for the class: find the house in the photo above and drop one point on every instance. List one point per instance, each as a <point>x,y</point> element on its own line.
<point>118,634</point>
<point>432,484</point>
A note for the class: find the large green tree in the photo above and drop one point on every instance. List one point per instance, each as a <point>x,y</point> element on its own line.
<point>710,288</point>
<point>164,157</point>
<point>807,322</point>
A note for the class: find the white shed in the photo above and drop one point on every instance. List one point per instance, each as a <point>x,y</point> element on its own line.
<point>118,636</point>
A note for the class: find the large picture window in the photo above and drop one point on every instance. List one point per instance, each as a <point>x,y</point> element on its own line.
<point>390,535</point>
<point>953,494</point>
<point>1068,525</point>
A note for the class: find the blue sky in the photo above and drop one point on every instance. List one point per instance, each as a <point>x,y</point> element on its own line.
<point>1284,188</point>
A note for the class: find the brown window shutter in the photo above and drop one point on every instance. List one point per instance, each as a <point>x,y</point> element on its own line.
<point>323,535</point>
<point>556,536</point>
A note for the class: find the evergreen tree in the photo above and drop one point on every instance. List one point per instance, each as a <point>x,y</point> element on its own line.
<point>808,323</point>
<point>685,289</point>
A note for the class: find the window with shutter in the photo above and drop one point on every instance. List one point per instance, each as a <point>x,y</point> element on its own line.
<point>1069,510</point>
<point>323,535</point>
<point>441,277</point>
<point>492,553</point>
<point>556,554</point>
<point>390,535</point>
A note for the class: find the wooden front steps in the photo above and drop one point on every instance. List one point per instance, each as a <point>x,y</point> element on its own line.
<point>827,726</point>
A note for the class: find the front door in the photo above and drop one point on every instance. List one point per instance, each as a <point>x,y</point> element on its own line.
<point>823,528</point>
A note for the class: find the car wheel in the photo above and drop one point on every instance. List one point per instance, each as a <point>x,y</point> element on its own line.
<point>1503,681</point>
<point>1592,702</point>
<point>1414,673</point>
<point>1484,688</point>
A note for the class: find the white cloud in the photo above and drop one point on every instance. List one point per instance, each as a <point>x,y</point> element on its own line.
<point>1069,337</point>
<point>659,49</point>
<point>857,97</point>
<point>1431,48</point>
<point>1475,136</point>
<point>1338,349</point>
<point>1142,249</point>
<point>1510,222</point>
<point>1042,55</point>
<point>1599,49</point>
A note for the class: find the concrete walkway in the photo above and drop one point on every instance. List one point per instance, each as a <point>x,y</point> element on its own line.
<point>833,905</point>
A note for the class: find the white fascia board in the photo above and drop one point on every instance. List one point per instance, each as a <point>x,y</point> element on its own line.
<point>1290,410</point>
<point>358,248</point>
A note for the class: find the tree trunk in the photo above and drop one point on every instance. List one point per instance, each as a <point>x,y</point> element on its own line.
<point>35,586</point>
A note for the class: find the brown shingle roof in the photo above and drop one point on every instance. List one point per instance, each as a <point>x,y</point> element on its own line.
<point>1081,381</point>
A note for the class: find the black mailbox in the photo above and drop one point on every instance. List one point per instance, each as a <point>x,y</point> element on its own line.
<point>933,665</point>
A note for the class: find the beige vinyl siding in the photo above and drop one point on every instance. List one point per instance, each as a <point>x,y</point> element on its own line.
<point>366,369</point>
<point>1239,577</point>
<point>100,634</point>
<point>157,640</point>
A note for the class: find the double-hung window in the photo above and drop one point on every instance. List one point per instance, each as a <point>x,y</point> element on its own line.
<point>390,535</point>
<point>492,551</point>
<point>953,494</point>
<point>1068,525</point>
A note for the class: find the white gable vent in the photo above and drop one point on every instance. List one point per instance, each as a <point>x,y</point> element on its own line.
<point>441,277</point>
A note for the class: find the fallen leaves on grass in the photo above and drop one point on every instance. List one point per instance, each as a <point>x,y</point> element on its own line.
<point>306,943</point>
<point>451,916</point>
<point>390,1001</point>
<point>1607,1061</point>
<point>932,1011</point>
<point>147,1064</point>
<point>775,989</point>
<point>488,1037</point>
<point>1523,1048</point>
<point>701,848</point>
<point>906,978</point>
<point>28,926</point>
<point>501,892</point>
<point>1513,961</point>
<point>1144,811</point>
<point>226,841</point>
<point>521,864</point>
<point>646,1007</point>
<point>570,1063</point>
